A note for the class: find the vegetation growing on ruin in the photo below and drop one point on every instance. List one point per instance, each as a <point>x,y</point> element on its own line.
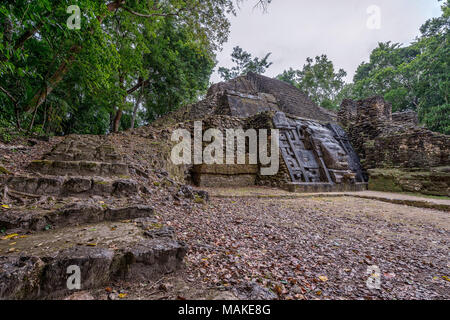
<point>129,62</point>
<point>133,61</point>
<point>412,77</point>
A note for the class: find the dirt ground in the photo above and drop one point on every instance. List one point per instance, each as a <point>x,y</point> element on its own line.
<point>306,248</point>
<point>291,247</point>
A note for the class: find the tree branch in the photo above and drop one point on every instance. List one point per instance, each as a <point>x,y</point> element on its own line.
<point>153,14</point>
<point>141,83</point>
<point>27,35</point>
<point>8,94</point>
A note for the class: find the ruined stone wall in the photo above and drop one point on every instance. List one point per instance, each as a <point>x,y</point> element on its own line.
<point>406,117</point>
<point>385,141</point>
<point>222,175</point>
<point>282,178</point>
<point>364,121</point>
<point>272,94</point>
<point>413,148</point>
<point>347,112</point>
<point>247,102</point>
<point>290,99</point>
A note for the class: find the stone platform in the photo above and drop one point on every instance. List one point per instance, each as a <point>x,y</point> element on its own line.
<point>437,203</point>
<point>325,187</point>
<point>235,175</point>
<point>431,181</point>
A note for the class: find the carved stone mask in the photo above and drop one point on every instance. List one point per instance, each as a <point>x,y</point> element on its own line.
<point>333,155</point>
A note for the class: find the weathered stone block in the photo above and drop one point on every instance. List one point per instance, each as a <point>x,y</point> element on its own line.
<point>20,277</point>
<point>226,169</point>
<point>219,180</point>
<point>431,182</point>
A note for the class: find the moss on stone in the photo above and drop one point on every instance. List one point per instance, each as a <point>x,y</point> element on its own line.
<point>369,144</point>
<point>3,170</point>
<point>100,182</point>
<point>198,199</point>
<point>89,165</point>
<point>384,180</point>
<point>43,162</point>
<point>409,180</point>
<point>156,226</point>
<point>384,184</point>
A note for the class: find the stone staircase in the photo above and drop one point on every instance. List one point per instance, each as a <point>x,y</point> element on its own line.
<point>86,211</point>
<point>80,166</point>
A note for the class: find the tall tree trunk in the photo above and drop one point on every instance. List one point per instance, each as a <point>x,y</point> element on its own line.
<point>136,107</point>
<point>116,122</point>
<point>49,123</point>
<point>32,120</point>
<point>19,127</point>
<point>44,122</point>
<point>111,120</point>
<point>59,74</point>
<point>118,110</point>
<point>42,94</point>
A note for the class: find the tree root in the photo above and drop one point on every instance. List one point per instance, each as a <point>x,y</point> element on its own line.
<point>11,196</point>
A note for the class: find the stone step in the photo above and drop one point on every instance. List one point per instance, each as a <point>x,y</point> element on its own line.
<point>72,214</point>
<point>80,155</point>
<point>71,186</point>
<point>311,187</point>
<point>78,168</point>
<point>38,266</point>
<point>87,148</point>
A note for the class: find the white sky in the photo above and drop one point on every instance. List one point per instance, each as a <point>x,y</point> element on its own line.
<point>296,29</point>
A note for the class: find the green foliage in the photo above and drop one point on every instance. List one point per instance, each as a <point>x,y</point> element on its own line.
<point>388,74</point>
<point>57,80</point>
<point>180,67</point>
<point>244,63</point>
<point>415,77</point>
<point>319,80</point>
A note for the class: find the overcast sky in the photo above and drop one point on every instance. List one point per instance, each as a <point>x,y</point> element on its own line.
<point>296,29</point>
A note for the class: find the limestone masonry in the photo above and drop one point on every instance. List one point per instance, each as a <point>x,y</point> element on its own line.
<point>322,150</point>
<point>315,151</point>
<point>398,154</point>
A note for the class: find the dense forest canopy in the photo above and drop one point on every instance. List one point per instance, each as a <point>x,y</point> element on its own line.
<point>415,77</point>
<point>319,80</point>
<point>132,61</point>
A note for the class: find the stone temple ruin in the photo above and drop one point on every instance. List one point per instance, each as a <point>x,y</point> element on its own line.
<point>398,154</point>
<point>322,150</point>
<point>316,154</point>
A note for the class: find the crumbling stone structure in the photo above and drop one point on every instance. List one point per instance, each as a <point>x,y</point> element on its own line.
<point>83,204</point>
<point>316,154</point>
<point>249,95</point>
<point>398,154</point>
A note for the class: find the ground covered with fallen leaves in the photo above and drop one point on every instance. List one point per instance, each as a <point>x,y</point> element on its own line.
<point>17,154</point>
<point>311,248</point>
<point>287,248</point>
